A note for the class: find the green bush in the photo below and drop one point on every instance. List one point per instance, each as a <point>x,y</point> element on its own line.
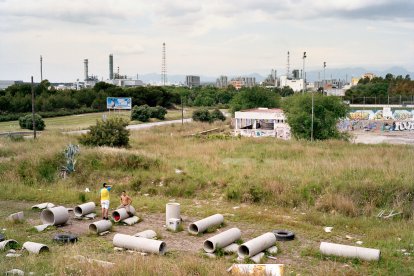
<point>201,115</point>
<point>158,112</point>
<point>217,115</point>
<point>141,113</point>
<point>111,132</point>
<point>27,122</point>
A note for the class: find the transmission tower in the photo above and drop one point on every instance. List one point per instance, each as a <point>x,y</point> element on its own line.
<point>163,67</point>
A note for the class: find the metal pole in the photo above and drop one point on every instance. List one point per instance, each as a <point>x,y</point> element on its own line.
<point>312,116</point>
<point>303,73</point>
<point>41,68</point>
<point>182,111</point>
<point>33,111</point>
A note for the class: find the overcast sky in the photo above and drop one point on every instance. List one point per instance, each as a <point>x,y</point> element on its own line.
<point>203,37</point>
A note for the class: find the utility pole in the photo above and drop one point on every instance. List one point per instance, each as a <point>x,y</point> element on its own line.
<point>41,68</point>
<point>324,80</point>
<point>313,114</point>
<point>303,73</point>
<point>182,111</point>
<point>33,111</point>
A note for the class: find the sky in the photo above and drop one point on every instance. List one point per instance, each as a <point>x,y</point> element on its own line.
<point>212,38</point>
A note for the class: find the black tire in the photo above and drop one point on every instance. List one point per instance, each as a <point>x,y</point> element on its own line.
<point>65,238</point>
<point>284,235</point>
<point>2,237</point>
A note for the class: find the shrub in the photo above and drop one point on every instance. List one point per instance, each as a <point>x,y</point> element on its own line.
<point>27,122</point>
<point>202,115</point>
<point>217,115</point>
<point>158,112</point>
<point>111,133</point>
<point>141,113</point>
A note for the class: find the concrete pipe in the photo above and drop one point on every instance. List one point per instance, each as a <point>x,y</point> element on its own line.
<point>34,247</point>
<point>148,234</point>
<point>257,245</point>
<point>139,244</point>
<point>131,221</point>
<point>202,225</point>
<point>221,240</point>
<point>172,210</point>
<point>17,217</point>
<point>7,243</point>
<point>121,214</point>
<point>84,209</point>
<point>100,226</point>
<point>340,250</point>
<point>55,216</point>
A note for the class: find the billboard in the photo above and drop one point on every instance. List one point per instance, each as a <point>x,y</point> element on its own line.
<point>118,103</point>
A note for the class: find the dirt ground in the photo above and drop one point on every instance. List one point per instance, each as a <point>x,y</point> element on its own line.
<point>368,137</point>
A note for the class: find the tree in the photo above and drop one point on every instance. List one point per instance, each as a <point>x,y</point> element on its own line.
<point>27,122</point>
<point>327,111</point>
<point>111,132</point>
<point>254,97</point>
<point>201,115</point>
<point>217,115</point>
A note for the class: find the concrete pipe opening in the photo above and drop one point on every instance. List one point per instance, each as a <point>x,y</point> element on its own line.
<point>193,228</point>
<point>209,246</point>
<point>244,251</point>
<point>78,211</point>
<point>93,228</point>
<point>55,216</point>
<point>116,216</point>
<point>163,247</point>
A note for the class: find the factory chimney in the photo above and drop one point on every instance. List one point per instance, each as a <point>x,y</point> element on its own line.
<point>85,68</point>
<point>111,67</point>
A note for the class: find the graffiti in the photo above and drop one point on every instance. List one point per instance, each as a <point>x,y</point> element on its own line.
<point>381,114</point>
<point>401,126</point>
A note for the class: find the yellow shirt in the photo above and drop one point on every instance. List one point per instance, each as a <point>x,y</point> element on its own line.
<point>104,194</point>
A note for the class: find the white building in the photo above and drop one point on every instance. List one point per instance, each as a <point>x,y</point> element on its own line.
<point>261,122</point>
<point>125,82</point>
<point>295,84</point>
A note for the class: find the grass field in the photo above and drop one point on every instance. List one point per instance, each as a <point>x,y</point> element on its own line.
<point>83,121</point>
<point>295,185</point>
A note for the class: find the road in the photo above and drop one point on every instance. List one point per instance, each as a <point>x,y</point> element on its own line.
<point>138,127</point>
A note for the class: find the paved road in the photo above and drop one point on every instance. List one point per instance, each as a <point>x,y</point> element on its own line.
<point>138,127</point>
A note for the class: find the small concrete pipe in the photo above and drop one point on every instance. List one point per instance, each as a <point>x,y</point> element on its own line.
<point>148,234</point>
<point>121,214</point>
<point>55,216</point>
<point>257,245</point>
<point>172,210</point>
<point>202,225</point>
<point>34,247</point>
<point>100,226</point>
<point>4,244</point>
<point>340,250</point>
<point>221,240</point>
<point>84,209</point>
<point>139,244</point>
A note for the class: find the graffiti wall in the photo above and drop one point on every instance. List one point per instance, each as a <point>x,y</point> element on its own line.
<point>384,119</point>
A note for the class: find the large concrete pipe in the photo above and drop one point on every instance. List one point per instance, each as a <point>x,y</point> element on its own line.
<point>367,254</point>
<point>139,244</point>
<point>172,210</point>
<point>84,209</point>
<point>7,244</point>
<point>221,240</point>
<point>148,234</point>
<point>55,216</point>
<point>257,245</point>
<point>202,225</point>
<point>100,226</point>
<point>121,214</point>
<point>34,247</point>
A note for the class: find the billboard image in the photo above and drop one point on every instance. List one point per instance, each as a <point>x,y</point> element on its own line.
<point>118,103</point>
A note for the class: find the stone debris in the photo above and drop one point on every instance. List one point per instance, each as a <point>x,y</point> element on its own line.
<point>42,206</point>
<point>15,271</point>
<point>210,255</point>
<point>272,250</point>
<point>231,249</point>
<point>12,255</point>
<point>359,242</point>
<point>104,233</point>
<point>328,229</point>
<point>84,259</point>
<point>131,221</point>
<point>257,258</point>
<point>118,249</point>
<point>42,227</point>
<point>16,217</point>
<point>87,190</point>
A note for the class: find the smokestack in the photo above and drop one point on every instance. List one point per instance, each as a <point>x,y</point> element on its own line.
<point>85,68</point>
<point>111,67</point>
